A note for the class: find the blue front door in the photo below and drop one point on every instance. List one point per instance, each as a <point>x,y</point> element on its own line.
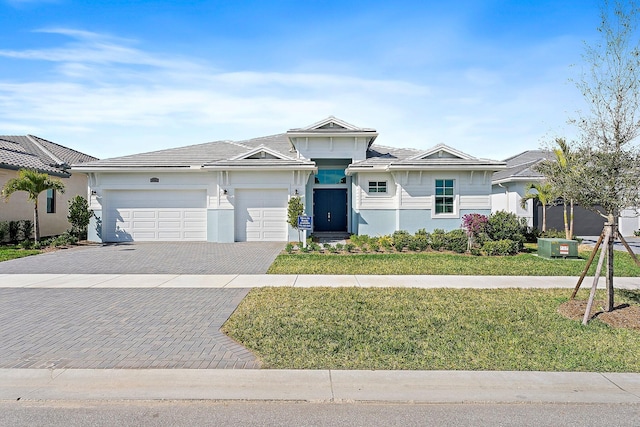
<point>330,210</point>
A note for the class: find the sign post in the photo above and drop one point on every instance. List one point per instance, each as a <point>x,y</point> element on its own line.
<point>305,223</point>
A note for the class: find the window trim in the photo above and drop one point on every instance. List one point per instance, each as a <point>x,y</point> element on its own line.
<point>51,201</point>
<point>454,198</point>
<point>377,186</point>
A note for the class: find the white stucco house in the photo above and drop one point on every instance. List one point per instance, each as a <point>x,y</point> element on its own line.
<point>229,191</point>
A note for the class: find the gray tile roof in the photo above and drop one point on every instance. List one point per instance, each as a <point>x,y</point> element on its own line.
<point>520,166</point>
<point>381,156</point>
<point>197,155</point>
<point>32,152</point>
<point>226,153</point>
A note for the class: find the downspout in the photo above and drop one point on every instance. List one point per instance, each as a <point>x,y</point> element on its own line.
<point>506,194</point>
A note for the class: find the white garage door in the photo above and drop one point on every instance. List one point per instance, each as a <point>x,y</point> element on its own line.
<point>261,215</point>
<point>157,215</point>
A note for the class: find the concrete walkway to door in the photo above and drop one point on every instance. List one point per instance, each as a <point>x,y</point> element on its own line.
<point>152,258</point>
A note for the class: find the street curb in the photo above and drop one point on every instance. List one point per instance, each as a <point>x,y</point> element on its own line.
<point>320,386</point>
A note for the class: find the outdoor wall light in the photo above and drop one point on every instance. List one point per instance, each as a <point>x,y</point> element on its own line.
<point>225,192</point>
<point>94,192</point>
<point>295,192</point>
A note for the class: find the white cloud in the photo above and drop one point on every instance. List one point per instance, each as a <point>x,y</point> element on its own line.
<point>107,96</point>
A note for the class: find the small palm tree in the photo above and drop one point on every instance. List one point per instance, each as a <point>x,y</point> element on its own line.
<point>33,183</point>
<point>564,159</point>
<point>544,194</point>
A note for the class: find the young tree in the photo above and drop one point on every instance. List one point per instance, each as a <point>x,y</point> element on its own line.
<point>607,158</point>
<point>33,183</point>
<point>79,216</point>
<point>294,210</point>
<point>544,194</point>
<point>559,172</point>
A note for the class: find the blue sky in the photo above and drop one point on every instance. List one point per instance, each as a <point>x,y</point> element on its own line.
<point>110,78</point>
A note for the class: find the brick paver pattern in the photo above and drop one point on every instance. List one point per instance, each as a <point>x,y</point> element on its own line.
<point>119,328</point>
<point>152,258</point>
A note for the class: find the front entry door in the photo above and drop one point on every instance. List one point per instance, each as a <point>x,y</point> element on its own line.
<point>330,210</point>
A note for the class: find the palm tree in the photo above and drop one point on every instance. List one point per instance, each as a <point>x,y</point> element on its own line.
<point>544,194</point>
<point>33,183</point>
<point>564,158</point>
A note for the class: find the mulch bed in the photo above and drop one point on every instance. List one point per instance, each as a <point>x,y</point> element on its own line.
<point>622,316</point>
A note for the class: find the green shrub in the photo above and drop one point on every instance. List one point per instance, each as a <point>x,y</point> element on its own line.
<point>349,247</point>
<point>375,246</point>
<point>501,247</point>
<point>420,241</point>
<point>339,247</point>
<point>289,248</point>
<point>4,231</point>
<point>314,247</point>
<point>437,239</point>
<point>456,241</point>
<point>79,216</point>
<point>401,239</point>
<point>507,226</point>
<point>636,233</point>
<point>64,239</point>
<point>386,242</point>
<point>552,233</point>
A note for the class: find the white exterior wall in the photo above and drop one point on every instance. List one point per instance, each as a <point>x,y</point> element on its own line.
<point>325,147</point>
<point>508,197</point>
<point>220,206</point>
<point>629,222</point>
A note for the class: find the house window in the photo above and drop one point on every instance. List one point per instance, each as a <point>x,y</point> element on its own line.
<point>51,201</point>
<point>377,186</point>
<point>444,196</point>
<point>331,176</point>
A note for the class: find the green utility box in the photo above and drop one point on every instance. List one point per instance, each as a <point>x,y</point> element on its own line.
<point>557,248</point>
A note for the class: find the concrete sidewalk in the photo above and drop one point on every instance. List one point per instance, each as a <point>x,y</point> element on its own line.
<point>320,386</point>
<point>299,281</point>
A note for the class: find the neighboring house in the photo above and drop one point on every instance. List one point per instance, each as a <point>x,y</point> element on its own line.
<point>32,152</point>
<point>509,186</point>
<point>229,191</point>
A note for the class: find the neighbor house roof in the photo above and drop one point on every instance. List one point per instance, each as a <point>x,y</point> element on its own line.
<point>31,152</point>
<point>521,167</point>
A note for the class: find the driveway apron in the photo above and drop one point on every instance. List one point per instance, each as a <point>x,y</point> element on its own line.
<point>119,328</point>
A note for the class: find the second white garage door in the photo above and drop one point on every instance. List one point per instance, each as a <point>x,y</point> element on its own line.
<point>162,215</point>
<point>261,215</point>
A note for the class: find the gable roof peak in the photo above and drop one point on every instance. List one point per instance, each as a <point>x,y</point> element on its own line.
<point>440,149</point>
<point>332,123</point>
<point>261,149</point>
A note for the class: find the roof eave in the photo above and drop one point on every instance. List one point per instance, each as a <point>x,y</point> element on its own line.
<point>517,179</point>
<point>88,169</point>
<point>308,167</point>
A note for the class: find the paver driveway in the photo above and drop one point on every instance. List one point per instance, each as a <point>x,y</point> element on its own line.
<point>152,258</point>
<point>119,328</point>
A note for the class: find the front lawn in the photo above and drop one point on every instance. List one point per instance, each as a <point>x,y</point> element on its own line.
<point>440,263</point>
<point>13,252</point>
<point>429,329</point>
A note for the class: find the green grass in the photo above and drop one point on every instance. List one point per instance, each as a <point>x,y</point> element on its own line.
<point>439,263</point>
<point>428,329</point>
<point>13,252</point>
